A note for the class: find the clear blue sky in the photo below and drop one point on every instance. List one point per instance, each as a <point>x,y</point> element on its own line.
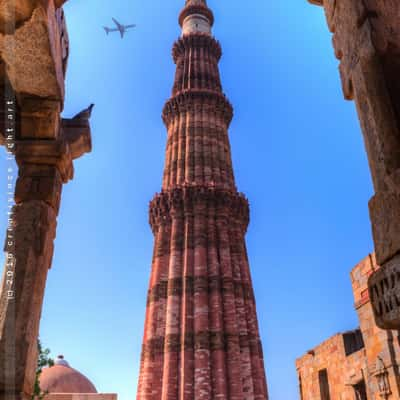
<point>298,156</point>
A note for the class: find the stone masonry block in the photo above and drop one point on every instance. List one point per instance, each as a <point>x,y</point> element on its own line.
<point>385,218</point>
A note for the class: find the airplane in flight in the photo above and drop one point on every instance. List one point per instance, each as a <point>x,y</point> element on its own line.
<point>122,29</point>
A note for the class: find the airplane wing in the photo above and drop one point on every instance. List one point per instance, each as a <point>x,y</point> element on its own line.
<point>108,30</point>
<point>119,26</point>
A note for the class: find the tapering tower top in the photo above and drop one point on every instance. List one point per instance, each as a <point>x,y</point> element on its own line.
<point>196,17</point>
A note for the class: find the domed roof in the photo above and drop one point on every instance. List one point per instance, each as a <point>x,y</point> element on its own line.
<point>61,378</point>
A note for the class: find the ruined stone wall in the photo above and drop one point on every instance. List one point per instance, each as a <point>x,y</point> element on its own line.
<point>341,370</point>
<point>373,360</point>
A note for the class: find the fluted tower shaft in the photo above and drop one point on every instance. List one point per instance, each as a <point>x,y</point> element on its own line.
<point>201,338</point>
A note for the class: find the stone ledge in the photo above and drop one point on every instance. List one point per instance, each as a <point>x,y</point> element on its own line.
<point>385,220</point>
<point>192,200</point>
<point>188,100</point>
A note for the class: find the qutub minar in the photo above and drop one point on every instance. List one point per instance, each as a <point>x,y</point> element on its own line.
<point>201,338</point>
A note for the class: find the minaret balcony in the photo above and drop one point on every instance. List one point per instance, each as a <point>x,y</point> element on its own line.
<point>190,99</point>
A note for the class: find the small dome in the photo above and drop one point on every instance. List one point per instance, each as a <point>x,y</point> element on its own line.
<point>60,361</point>
<point>61,378</point>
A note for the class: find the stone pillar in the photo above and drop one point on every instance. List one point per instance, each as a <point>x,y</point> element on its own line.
<point>44,146</point>
<point>366,39</point>
<point>44,165</point>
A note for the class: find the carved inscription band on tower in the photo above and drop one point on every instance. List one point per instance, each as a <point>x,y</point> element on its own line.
<point>201,338</point>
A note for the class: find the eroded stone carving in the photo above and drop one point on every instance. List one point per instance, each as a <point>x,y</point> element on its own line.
<point>382,377</point>
<point>36,52</point>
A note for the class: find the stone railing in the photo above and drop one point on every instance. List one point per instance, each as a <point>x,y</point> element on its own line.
<point>384,292</point>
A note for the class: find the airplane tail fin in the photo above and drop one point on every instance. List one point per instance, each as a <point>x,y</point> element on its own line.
<point>106,29</point>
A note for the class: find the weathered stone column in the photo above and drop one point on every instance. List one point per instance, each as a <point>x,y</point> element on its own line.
<point>366,39</point>
<point>44,165</point>
<point>33,58</point>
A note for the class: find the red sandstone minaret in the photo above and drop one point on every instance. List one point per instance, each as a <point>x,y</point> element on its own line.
<point>201,338</point>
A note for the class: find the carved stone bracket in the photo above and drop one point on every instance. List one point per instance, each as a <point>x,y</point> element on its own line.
<point>73,141</point>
